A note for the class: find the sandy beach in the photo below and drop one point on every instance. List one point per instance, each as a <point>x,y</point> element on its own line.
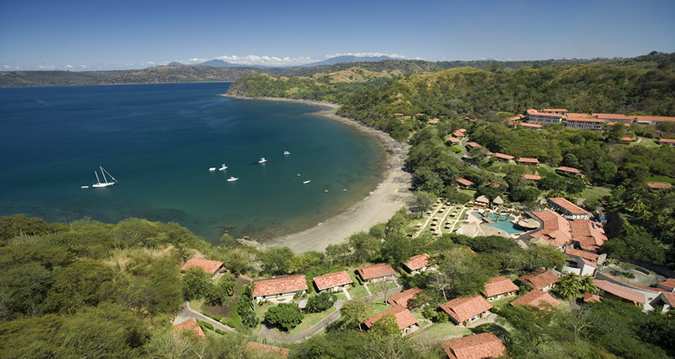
<point>390,195</point>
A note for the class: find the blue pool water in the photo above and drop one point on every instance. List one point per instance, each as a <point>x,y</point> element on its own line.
<point>503,223</point>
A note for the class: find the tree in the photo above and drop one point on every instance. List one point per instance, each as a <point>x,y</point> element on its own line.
<point>276,260</point>
<point>423,202</point>
<point>81,283</point>
<point>196,284</point>
<point>320,302</point>
<point>353,313</point>
<point>222,290</point>
<point>246,310</point>
<point>385,326</point>
<point>23,288</point>
<point>285,316</point>
<point>572,286</point>
<point>364,247</point>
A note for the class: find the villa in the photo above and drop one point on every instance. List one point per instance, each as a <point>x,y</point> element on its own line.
<point>579,266</point>
<point>667,284</point>
<point>667,141</point>
<point>503,156</point>
<point>452,140</point>
<point>459,133</point>
<point>403,298</point>
<point>476,346</point>
<point>376,273</point>
<point>587,235</point>
<point>463,182</point>
<point>543,281</point>
<point>531,177</point>
<point>473,144</point>
<point>529,125</point>
<point>528,161</point>
<point>568,209</point>
<point>279,289</point>
<point>404,319</point>
<point>554,230</point>
<point>536,299</point>
<point>659,186</point>
<point>499,287</point>
<point>569,171</point>
<point>189,325</point>
<point>464,310</point>
<point>587,255</point>
<point>333,282</point>
<point>624,293</point>
<point>417,264</point>
<point>207,265</point>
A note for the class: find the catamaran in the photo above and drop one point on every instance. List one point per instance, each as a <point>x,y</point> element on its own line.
<point>262,160</point>
<point>232,179</point>
<point>106,182</point>
<point>222,168</point>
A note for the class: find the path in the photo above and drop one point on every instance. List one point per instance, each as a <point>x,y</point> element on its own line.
<point>188,313</point>
<point>437,207</point>
<point>274,335</point>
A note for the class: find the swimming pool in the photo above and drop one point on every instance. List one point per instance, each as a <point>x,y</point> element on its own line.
<point>503,223</point>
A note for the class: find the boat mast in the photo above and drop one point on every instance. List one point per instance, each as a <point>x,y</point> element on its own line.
<point>97,179</point>
<point>105,180</point>
<point>109,174</point>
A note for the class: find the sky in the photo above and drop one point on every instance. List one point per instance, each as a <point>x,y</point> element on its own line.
<point>114,34</point>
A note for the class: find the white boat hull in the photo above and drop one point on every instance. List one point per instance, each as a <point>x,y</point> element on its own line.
<point>102,185</point>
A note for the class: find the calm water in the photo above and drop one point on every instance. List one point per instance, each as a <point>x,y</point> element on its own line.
<point>160,140</point>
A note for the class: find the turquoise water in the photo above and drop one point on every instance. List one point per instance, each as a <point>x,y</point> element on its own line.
<point>160,140</point>
<point>503,223</point>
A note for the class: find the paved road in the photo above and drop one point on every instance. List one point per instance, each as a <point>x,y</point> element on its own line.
<point>187,313</point>
<point>274,335</point>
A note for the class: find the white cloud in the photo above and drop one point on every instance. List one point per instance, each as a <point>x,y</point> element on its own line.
<point>367,54</point>
<point>266,60</point>
<point>69,67</point>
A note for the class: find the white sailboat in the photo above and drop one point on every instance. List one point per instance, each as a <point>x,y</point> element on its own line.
<point>306,182</point>
<point>222,168</point>
<point>106,182</point>
<point>287,153</point>
<point>262,160</point>
<point>232,179</point>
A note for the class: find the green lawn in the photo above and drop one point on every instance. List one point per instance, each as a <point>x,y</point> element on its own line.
<point>439,332</point>
<point>646,142</point>
<point>374,308</point>
<point>504,301</point>
<point>310,320</point>
<point>594,193</point>
<point>661,179</point>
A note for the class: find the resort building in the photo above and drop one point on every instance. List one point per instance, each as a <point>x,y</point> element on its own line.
<point>473,145</point>
<point>659,186</point>
<point>595,258</point>
<point>269,351</point>
<point>459,132</point>
<point>554,229</point>
<point>536,299</point>
<point>543,281</point>
<point>531,177</point>
<point>416,264</point>
<point>333,282</point>
<point>503,156</point>
<point>402,298</point>
<point>482,201</point>
<point>207,265</point>
<point>584,121</point>
<point>579,266</point>
<point>376,273</point>
<point>404,319</point>
<point>667,284</point>
<point>569,171</point>
<point>558,111</point>
<point>463,182</point>
<point>624,293</point>
<point>544,118</point>
<point>498,201</point>
<point>652,120</point>
<point>280,289</point>
<point>535,126</point>
<point>587,235</point>
<point>664,303</point>
<point>464,310</point>
<point>498,288</point>
<point>528,161</point>
<point>453,140</point>
<point>667,141</point>
<point>568,209</point>
<point>433,120</point>
<point>628,139</point>
<point>476,346</point>
<point>189,325</point>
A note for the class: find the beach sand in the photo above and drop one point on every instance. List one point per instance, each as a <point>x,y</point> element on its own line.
<point>390,195</point>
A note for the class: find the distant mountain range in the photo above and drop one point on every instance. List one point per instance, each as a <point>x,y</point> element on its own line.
<point>346,59</point>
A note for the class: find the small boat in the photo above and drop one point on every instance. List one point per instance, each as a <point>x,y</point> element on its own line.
<point>232,179</point>
<point>287,153</point>
<point>106,182</point>
<point>222,168</point>
<point>298,175</point>
<point>262,160</point>
<point>84,187</point>
<point>306,182</point>
<point>212,169</point>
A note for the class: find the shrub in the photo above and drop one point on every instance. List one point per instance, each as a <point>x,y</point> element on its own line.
<point>320,302</point>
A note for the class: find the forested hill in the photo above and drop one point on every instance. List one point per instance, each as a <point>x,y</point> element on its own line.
<point>644,84</point>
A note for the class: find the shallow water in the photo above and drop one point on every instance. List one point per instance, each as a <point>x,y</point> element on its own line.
<point>160,140</point>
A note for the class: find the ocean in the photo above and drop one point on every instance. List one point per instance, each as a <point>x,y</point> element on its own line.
<point>159,142</point>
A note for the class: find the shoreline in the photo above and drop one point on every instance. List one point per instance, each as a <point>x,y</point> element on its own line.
<point>391,193</point>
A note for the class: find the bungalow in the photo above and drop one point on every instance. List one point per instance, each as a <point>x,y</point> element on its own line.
<point>628,139</point>
<point>618,291</point>
<point>503,156</point>
<point>579,266</point>
<point>268,351</point>
<point>554,230</point>
<point>474,145</point>
<point>498,201</point>
<point>531,177</point>
<point>482,201</point>
<point>568,171</point>
<point>568,209</point>
<point>463,182</point>
<point>667,284</point>
<point>189,325</point>
<point>452,140</point>
<point>587,255</point>
<point>587,235</point>
<point>417,264</point>
<point>433,120</point>
<point>528,161</point>
<point>279,289</point>
<point>403,298</point>
<point>476,346</point>
<point>667,141</point>
<point>464,310</point>
<point>584,121</point>
<point>665,302</point>
<point>537,299</point>
<point>404,319</point>
<point>499,287</point>
<point>658,186</point>
<point>544,118</point>
<point>208,266</point>
<point>376,273</point>
<point>459,133</point>
<point>543,281</point>
<point>333,282</point>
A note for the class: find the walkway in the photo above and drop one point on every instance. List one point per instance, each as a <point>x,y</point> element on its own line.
<point>274,335</point>
<point>188,313</point>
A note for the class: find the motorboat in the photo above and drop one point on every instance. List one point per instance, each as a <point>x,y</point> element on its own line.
<point>232,179</point>
<point>222,168</point>
<point>306,182</point>
<point>212,169</point>
<point>262,160</point>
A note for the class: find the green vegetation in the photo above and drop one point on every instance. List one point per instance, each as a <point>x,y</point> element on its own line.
<point>285,316</point>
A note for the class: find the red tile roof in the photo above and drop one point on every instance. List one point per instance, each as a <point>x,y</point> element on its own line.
<point>568,170</point>
<point>531,177</point>
<point>477,346</point>
<point>554,110</point>
<point>503,156</point>
<point>403,297</point>
<point>653,118</point>
<point>528,160</point>
<point>540,280</point>
<point>555,229</point>
<point>529,125</point>
<point>473,144</point>
<point>533,112</point>
<point>536,298</point>
<point>590,256</point>
<point>374,271</point>
<point>206,265</point>
<point>620,291</point>
<point>628,139</point>
<point>452,139</point>
<point>279,285</point>
<point>459,133</point>
<point>331,280</point>
<point>582,117</point>
<point>464,182</point>
<point>614,117</point>
<point>669,298</point>
<point>667,141</point>
<point>659,185</point>
<point>417,262</point>
<point>464,308</point>
<point>189,325</point>
<point>499,285</point>
<point>568,206</point>
<point>254,347</point>
<point>590,235</point>
<point>591,298</point>
<point>403,317</point>
<point>668,283</point>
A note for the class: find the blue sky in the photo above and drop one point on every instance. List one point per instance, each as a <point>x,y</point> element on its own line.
<point>93,34</point>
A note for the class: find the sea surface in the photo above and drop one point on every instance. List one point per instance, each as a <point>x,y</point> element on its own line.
<point>159,141</point>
